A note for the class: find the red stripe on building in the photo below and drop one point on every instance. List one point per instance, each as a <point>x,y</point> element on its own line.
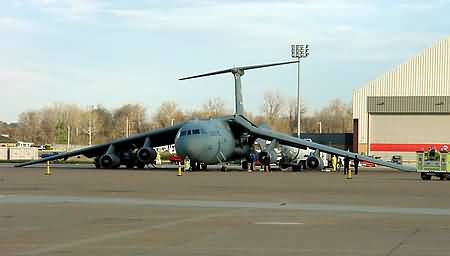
<point>404,147</point>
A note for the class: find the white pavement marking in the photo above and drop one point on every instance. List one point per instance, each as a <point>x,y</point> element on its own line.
<point>278,223</point>
<point>35,199</point>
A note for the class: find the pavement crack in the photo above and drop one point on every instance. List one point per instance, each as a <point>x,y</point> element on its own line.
<point>402,242</point>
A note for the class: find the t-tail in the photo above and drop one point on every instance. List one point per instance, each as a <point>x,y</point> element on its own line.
<point>237,73</point>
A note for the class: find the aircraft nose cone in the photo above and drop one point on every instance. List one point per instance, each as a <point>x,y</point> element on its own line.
<point>188,147</point>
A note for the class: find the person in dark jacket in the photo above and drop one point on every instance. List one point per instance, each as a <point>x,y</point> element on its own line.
<point>346,165</point>
<point>356,162</point>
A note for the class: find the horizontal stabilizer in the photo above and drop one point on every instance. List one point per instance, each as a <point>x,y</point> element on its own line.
<point>236,69</point>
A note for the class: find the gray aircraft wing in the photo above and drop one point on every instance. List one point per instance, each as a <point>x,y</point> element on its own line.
<point>301,143</point>
<point>160,137</point>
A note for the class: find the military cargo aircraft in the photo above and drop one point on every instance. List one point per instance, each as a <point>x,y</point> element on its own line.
<point>213,141</point>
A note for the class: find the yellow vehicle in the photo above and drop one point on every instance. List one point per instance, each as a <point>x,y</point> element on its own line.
<point>433,163</point>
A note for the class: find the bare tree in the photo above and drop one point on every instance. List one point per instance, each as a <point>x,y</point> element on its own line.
<point>29,125</point>
<point>49,124</point>
<point>168,113</point>
<point>215,107</point>
<point>335,117</point>
<point>135,114</point>
<point>272,107</point>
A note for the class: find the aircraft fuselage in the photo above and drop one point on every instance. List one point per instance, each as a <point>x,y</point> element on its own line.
<point>207,141</point>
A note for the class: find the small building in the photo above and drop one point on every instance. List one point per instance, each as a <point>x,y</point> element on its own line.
<point>23,144</point>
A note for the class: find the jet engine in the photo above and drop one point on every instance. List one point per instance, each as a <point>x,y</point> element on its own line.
<point>109,161</point>
<point>146,155</point>
<point>314,162</point>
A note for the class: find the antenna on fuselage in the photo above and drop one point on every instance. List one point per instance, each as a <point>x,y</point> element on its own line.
<point>237,73</point>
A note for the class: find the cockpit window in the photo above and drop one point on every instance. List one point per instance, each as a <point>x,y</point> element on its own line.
<point>189,132</point>
<point>182,133</point>
<point>196,131</point>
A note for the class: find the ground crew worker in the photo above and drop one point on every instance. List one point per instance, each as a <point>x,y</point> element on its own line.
<point>252,159</point>
<point>187,164</point>
<point>346,165</point>
<point>158,158</point>
<point>334,162</point>
<point>356,163</point>
<point>432,153</point>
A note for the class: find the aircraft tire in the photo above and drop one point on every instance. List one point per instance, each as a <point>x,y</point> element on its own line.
<point>425,176</point>
<point>203,166</point>
<point>303,165</point>
<point>140,166</point>
<point>245,165</point>
<point>296,168</point>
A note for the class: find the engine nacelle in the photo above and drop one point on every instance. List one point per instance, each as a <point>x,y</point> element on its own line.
<point>314,162</point>
<point>267,157</point>
<point>109,161</point>
<point>146,155</point>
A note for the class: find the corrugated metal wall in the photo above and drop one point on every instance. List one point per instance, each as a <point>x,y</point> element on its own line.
<point>427,74</point>
<point>408,104</point>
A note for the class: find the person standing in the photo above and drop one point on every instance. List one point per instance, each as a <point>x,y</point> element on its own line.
<point>346,165</point>
<point>187,164</point>
<point>334,162</point>
<point>356,163</point>
<point>252,159</point>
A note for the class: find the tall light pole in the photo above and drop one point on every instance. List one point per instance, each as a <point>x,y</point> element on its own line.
<point>68,138</point>
<point>299,51</point>
<point>91,128</point>
<point>127,129</point>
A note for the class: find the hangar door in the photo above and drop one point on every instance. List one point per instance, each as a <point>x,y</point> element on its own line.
<point>409,128</point>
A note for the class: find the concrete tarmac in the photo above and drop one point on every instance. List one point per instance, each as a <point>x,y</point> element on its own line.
<point>83,211</point>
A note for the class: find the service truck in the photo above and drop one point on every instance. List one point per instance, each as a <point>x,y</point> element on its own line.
<point>433,163</point>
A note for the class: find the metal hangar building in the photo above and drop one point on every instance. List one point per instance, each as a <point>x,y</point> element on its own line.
<point>407,109</point>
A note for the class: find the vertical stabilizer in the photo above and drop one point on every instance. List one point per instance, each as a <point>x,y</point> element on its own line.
<point>237,73</point>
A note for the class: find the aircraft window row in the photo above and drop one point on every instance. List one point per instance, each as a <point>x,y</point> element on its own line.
<point>192,132</point>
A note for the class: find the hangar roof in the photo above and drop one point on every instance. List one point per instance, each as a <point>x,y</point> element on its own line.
<point>427,74</point>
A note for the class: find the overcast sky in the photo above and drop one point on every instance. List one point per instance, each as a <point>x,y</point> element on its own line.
<point>113,52</point>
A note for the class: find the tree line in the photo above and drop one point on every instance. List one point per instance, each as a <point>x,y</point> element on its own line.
<point>52,124</point>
